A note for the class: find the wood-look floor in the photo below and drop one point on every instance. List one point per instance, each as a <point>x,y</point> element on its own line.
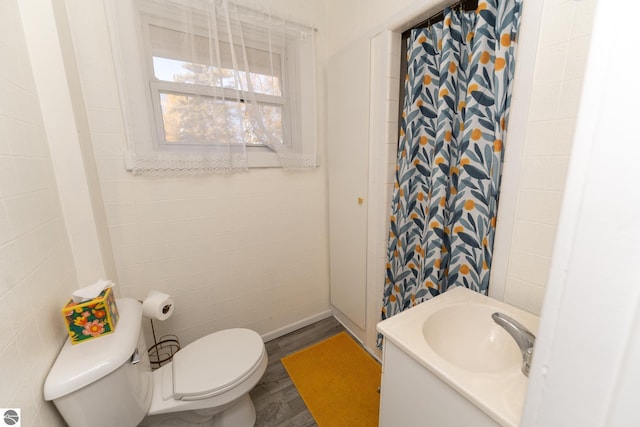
<point>276,399</point>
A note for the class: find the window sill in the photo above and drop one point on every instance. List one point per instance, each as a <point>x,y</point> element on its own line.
<point>258,157</point>
<point>262,157</point>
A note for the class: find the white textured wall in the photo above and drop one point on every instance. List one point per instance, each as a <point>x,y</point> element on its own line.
<point>585,369</point>
<point>349,20</point>
<point>55,75</point>
<point>562,53</point>
<point>248,250</point>
<point>36,264</point>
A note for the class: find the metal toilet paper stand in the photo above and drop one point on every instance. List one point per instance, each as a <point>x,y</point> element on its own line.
<point>162,351</point>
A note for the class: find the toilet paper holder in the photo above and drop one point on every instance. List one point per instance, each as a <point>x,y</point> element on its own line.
<point>161,352</point>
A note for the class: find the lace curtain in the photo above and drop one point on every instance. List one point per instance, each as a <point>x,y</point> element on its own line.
<point>206,84</point>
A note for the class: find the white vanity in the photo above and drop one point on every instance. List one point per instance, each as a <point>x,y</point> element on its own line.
<point>446,363</point>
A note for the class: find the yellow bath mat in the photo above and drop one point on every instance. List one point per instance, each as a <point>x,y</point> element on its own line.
<point>338,381</point>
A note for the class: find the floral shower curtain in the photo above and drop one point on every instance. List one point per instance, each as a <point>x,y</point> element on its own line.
<point>456,107</point>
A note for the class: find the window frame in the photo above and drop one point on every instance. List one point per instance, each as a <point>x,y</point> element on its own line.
<point>157,87</point>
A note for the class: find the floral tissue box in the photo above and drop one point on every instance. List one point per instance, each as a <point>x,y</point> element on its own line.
<point>91,319</point>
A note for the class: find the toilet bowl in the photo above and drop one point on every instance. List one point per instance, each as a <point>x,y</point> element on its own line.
<point>108,381</point>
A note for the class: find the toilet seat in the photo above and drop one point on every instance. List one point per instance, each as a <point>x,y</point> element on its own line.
<point>216,363</point>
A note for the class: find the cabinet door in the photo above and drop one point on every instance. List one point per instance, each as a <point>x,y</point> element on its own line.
<point>412,396</point>
<point>348,140</point>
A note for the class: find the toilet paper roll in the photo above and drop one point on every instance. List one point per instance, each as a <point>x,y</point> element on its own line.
<point>157,305</point>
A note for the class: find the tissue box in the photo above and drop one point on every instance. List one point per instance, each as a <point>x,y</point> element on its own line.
<point>91,319</point>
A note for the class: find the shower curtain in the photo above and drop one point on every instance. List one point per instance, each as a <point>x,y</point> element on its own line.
<point>445,199</point>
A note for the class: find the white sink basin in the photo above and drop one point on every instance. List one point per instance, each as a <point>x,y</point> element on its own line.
<point>455,339</point>
<point>480,345</point>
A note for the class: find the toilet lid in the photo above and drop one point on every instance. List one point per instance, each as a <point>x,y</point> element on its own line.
<point>215,363</point>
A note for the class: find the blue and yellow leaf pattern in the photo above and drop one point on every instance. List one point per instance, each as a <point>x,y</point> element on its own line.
<point>450,153</point>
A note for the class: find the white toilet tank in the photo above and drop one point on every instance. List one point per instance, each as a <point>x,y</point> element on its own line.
<point>106,381</point>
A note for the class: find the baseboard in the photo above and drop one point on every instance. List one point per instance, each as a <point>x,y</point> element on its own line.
<point>296,325</point>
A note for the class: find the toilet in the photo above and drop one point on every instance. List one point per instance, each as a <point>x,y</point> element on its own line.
<point>108,381</point>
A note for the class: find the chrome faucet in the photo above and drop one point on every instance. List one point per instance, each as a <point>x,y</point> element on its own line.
<point>524,338</point>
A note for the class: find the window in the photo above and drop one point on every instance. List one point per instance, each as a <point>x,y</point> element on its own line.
<point>196,103</point>
<point>227,87</point>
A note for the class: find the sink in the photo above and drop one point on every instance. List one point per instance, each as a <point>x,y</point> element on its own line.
<point>480,344</point>
<point>450,349</point>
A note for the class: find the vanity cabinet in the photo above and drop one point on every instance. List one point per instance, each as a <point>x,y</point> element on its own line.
<point>447,363</point>
<point>412,396</point>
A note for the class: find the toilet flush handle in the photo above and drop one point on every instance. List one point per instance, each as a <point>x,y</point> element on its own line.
<point>135,357</point>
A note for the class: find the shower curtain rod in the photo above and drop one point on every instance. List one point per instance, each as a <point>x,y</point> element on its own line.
<point>466,5</point>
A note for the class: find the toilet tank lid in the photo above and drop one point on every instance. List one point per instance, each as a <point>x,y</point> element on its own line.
<point>84,363</point>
